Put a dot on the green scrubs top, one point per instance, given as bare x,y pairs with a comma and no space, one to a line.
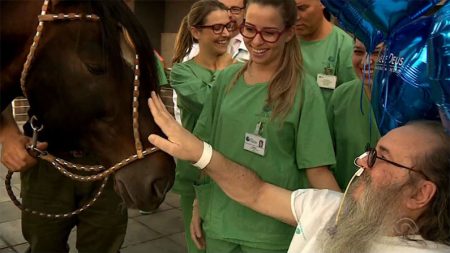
192,83
161,74
350,128
302,140
331,55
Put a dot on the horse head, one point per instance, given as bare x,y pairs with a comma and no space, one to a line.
80,85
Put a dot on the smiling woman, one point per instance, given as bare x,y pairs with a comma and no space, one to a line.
207,24
364,63
267,115
352,123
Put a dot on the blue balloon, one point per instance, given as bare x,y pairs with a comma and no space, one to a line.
412,79
387,15
402,88
439,63
351,20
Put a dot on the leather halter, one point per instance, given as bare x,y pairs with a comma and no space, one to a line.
58,162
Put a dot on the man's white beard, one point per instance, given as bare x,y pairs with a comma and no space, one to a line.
364,222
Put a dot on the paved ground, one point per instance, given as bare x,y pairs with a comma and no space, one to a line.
159,232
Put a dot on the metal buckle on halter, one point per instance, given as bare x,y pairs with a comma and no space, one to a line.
32,148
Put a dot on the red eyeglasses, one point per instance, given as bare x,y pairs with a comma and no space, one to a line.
270,35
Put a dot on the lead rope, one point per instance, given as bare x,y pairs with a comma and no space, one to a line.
47,215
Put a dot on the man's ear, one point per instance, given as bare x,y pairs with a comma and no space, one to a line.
423,195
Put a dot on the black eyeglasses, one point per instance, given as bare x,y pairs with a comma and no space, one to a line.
372,157
269,35
235,9
218,28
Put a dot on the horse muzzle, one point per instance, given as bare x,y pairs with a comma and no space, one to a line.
144,183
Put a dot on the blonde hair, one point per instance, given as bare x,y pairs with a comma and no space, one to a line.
285,81
196,16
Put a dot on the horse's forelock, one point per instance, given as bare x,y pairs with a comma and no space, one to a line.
115,13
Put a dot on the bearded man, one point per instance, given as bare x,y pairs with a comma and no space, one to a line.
399,202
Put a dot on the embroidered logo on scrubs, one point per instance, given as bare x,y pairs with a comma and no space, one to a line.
328,70
327,79
299,230
265,113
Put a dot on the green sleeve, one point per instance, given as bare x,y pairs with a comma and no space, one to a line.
161,74
345,71
207,120
314,145
192,91
330,115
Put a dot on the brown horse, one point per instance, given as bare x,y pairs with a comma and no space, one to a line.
80,87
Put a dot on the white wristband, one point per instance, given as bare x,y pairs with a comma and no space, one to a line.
206,156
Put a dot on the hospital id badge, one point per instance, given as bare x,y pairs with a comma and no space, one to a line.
326,81
255,144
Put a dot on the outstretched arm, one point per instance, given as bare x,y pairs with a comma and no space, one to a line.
238,182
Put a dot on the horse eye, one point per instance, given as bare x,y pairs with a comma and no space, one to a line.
96,69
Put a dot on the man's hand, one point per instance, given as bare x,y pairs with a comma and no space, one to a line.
180,143
14,154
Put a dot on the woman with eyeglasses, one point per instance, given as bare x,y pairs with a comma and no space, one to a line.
350,117
236,47
267,115
207,24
